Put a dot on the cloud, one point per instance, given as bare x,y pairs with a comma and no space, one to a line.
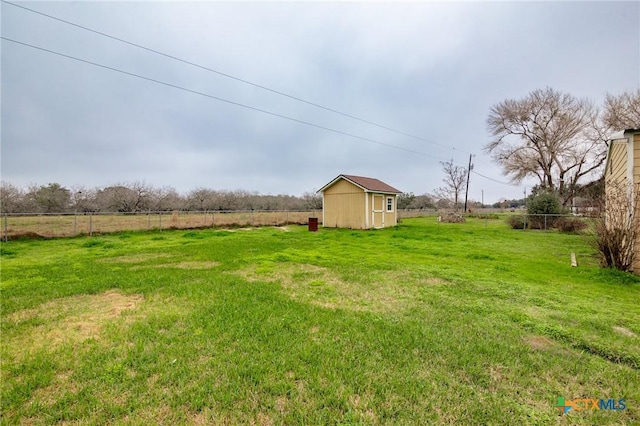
431,69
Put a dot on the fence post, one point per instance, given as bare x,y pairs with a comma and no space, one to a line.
213,219
75,223
545,223
160,218
6,228
251,216
149,219
90,224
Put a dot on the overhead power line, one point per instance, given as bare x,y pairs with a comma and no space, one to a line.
495,180
307,123
335,111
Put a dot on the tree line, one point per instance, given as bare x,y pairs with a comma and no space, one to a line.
140,197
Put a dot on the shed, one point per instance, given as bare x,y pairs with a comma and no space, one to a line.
358,202
623,169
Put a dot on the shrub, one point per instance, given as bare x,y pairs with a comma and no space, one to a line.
545,203
490,216
568,224
516,222
452,218
617,230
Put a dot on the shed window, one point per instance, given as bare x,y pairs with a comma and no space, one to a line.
389,204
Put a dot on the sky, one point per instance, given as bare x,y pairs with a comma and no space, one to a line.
430,71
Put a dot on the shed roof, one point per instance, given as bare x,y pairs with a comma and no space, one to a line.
366,183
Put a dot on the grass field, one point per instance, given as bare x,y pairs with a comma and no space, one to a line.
426,323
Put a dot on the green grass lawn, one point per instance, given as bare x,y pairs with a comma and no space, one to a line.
425,323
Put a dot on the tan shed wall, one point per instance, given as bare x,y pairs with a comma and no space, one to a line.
636,180
344,206
377,203
390,218
375,210
617,171
636,158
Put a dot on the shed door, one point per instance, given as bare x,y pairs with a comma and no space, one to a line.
377,214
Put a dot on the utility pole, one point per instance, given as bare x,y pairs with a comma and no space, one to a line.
466,194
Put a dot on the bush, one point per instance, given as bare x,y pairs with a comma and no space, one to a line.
618,230
545,203
451,218
516,222
491,216
615,246
568,224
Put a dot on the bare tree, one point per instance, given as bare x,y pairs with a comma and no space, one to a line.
405,199
142,195
422,202
443,203
200,199
410,201
312,200
618,229
83,199
11,198
622,112
455,178
164,199
114,198
125,197
551,136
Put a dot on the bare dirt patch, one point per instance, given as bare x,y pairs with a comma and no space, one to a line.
204,417
436,281
322,287
49,395
496,375
624,331
27,235
182,265
539,343
138,260
134,258
238,229
195,265
407,276
363,408
536,312
69,319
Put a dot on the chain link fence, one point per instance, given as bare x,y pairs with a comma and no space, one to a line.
51,225
546,222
